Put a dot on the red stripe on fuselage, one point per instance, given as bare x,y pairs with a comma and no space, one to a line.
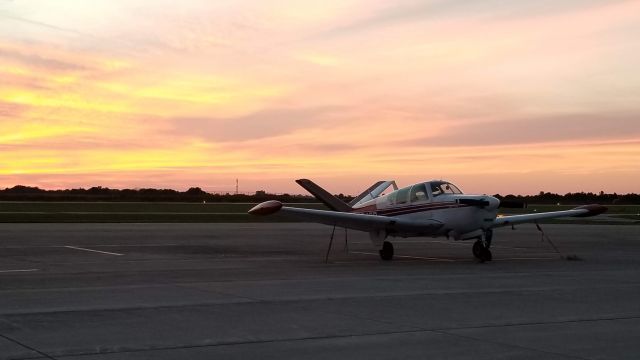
403,210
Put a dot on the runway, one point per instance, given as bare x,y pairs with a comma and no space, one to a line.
247,291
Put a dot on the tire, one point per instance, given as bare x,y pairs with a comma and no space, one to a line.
477,250
481,252
486,255
386,253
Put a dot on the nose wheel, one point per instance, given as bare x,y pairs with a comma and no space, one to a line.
386,253
481,248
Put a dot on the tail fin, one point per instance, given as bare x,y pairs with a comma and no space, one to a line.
321,194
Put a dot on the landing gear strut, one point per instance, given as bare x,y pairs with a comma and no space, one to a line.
488,235
481,247
386,253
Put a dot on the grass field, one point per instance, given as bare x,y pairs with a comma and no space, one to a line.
99,212
613,209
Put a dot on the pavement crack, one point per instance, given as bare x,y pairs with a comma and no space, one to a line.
467,337
534,323
234,343
215,291
19,343
441,331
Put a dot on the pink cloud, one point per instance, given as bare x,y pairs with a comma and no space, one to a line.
10,110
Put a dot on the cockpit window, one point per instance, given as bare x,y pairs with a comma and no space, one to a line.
440,187
401,195
454,189
391,198
418,193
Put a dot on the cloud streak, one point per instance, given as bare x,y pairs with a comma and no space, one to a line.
538,130
259,125
40,61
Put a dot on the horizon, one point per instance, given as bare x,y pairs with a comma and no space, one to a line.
267,192
498,98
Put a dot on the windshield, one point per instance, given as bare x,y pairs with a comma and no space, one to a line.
441,187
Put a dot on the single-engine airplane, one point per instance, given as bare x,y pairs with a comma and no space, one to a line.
433,208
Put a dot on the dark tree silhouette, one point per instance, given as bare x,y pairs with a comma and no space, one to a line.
196,194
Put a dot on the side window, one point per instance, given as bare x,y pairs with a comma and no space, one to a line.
436,190
391,199
402,195
418,193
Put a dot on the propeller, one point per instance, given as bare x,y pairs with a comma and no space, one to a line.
485,202
512,204
474,202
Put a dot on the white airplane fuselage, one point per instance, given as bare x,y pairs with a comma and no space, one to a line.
463,216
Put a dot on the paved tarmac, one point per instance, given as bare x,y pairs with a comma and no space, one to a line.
262,291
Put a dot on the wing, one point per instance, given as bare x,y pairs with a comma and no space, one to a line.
360,222
581,211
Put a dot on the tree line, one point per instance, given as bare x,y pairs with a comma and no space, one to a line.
577,198
99,193
196,194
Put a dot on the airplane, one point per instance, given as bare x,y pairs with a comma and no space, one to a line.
434,208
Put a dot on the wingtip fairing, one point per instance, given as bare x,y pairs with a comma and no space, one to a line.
266,208
592,210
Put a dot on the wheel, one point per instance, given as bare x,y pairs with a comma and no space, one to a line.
486,255
386,253
481,252
477,249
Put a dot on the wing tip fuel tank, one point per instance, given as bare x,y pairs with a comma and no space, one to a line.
266,208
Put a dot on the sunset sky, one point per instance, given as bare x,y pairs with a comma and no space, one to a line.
495,96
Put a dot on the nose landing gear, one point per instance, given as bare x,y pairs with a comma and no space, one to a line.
481,247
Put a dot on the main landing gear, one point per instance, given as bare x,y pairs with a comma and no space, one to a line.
386,253
481,247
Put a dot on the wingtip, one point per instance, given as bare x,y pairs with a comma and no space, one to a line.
592,210
266,208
